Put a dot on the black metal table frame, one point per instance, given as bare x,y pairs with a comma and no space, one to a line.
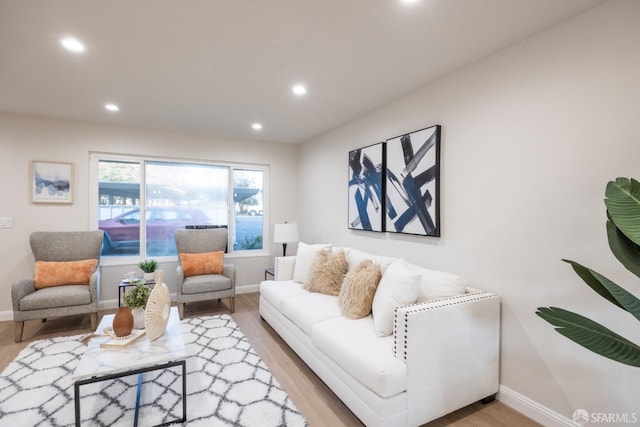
124,284
269,271
77,384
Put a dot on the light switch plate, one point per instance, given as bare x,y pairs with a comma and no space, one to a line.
6,223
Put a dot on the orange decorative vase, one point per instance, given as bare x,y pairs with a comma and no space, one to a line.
123,322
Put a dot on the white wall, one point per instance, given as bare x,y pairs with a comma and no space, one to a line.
26,138
530,137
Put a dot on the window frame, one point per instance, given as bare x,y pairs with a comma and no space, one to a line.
94,200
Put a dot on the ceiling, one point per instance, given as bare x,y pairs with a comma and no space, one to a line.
217,66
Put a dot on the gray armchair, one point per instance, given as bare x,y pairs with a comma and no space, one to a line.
206,286
30,303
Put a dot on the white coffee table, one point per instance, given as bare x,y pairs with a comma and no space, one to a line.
98,364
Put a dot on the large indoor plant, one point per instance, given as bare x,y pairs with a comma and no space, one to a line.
623,231
136,299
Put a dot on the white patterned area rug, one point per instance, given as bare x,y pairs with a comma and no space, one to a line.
227,385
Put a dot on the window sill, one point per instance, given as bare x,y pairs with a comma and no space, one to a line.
134,260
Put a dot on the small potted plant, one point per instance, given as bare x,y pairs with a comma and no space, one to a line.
136,299
148,266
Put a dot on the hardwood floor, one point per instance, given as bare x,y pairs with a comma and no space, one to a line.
310,395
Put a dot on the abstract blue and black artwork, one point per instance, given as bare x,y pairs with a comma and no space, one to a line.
366,188
412,183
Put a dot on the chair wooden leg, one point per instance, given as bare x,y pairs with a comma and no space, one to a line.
94,320
181,310
232,304
19,329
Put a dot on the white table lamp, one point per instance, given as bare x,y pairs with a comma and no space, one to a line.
285,233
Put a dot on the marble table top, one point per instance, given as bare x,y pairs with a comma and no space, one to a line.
98,362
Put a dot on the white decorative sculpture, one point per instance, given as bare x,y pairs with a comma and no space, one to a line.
156,316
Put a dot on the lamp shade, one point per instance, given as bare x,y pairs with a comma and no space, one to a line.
285,233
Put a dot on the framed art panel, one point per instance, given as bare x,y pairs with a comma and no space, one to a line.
366,188
412,183
51,182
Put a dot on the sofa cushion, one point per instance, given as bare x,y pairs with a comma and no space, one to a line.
308,309
327,272
304,258
276,292
356,256
436,284
52,273
398,286
336,249
201,263
358,288
205,283
56,297
353,346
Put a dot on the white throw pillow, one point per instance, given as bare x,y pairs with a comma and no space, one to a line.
436,284
398,286
356,256
304,259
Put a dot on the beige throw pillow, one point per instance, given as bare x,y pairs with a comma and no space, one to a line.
327,272
358,288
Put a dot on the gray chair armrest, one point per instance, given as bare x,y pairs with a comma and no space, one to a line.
179,279
20,289
229,270
94,285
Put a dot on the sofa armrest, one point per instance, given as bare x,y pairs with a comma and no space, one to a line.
284,266
451,348
20,289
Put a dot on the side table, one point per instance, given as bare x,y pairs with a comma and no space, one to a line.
125,283
269,271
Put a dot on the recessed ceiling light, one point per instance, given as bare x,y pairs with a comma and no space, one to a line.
72,44
256,126
299,90
112,107
409,1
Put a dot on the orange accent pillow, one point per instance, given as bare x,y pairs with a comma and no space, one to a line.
64,273
203,263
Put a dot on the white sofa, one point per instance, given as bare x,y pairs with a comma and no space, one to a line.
442,355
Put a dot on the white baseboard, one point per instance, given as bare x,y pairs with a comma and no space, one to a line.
6,315
247,289
107,304
532,409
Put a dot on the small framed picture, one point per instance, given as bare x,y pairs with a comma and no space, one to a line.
51,182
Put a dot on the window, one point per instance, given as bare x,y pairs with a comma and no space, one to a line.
141,202
247,195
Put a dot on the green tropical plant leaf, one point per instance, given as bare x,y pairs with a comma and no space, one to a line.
627,252
623,204
607,289
592,335
587,275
